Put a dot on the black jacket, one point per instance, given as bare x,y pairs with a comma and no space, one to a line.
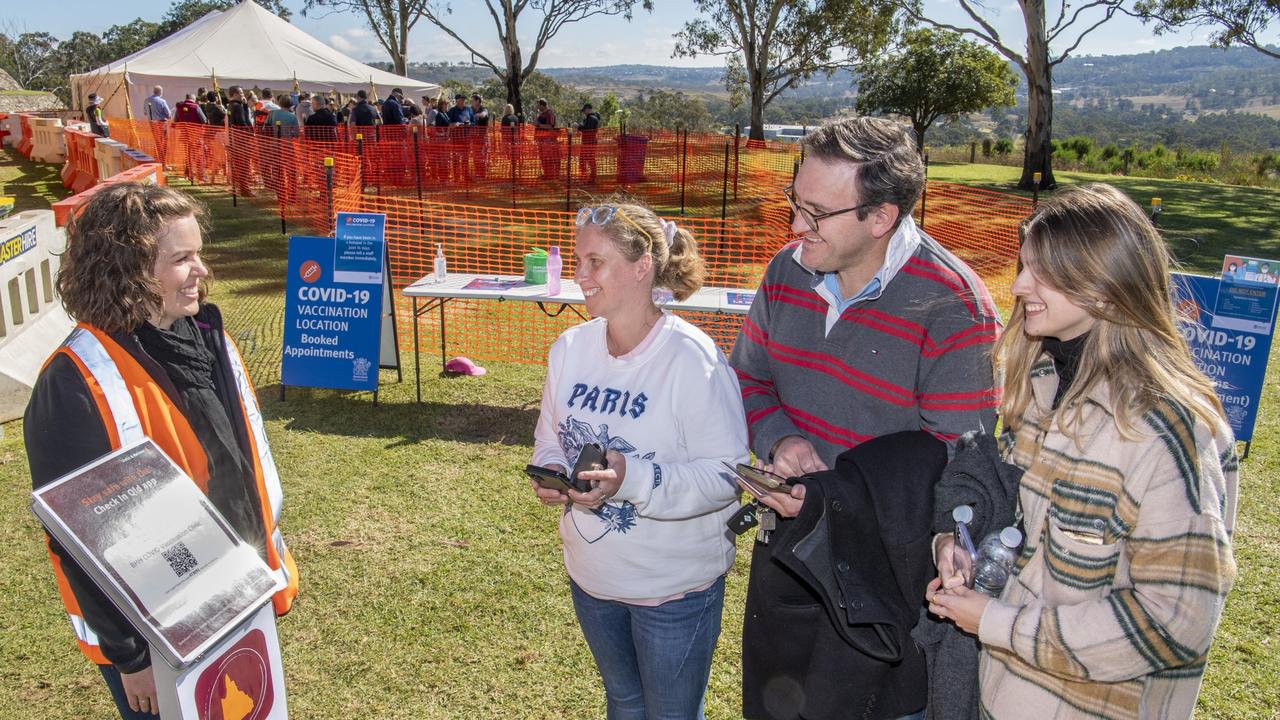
238,114
363,114
832,598
392,113
63,430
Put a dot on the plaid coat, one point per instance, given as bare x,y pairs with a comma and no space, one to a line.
1125,570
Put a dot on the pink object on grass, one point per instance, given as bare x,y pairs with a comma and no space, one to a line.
464,366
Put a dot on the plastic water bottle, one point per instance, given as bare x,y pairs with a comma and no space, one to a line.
441,265
996,556
555,266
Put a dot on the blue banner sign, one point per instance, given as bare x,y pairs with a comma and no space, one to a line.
331,327
1234,360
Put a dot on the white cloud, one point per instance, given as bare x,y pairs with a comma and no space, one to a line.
358,43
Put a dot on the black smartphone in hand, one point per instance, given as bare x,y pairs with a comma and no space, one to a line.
548,478
591,457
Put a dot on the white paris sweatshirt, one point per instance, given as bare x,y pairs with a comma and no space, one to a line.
674,410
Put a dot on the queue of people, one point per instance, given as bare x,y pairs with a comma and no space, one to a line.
871,364
461,129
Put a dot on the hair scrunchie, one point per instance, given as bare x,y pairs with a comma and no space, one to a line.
668,230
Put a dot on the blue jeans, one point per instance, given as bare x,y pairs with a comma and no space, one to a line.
654,661
112,676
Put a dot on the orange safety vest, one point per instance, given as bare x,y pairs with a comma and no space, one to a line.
133,405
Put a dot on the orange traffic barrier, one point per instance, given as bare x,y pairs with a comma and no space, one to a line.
25,145
81,169
149,174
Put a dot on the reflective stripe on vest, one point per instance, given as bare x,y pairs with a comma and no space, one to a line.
89,349
249,399
93,355
84,633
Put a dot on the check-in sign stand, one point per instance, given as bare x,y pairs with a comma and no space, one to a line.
241,677
339,320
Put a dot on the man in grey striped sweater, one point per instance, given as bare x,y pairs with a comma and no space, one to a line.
863,326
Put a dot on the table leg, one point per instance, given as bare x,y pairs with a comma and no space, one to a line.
417,360
442,336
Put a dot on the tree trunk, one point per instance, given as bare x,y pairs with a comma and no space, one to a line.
400,60
757,104
1037,152
920,128
512,81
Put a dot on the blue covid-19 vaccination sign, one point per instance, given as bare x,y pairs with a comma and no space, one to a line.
1234,359
333,304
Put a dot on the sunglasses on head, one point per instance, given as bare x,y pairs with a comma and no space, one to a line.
602,214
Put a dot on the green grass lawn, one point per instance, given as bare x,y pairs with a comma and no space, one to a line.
1201,221
432,584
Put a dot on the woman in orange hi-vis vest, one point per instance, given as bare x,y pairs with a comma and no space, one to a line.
148,358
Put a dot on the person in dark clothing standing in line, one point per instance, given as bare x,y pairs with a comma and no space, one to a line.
239,114
344,113
363,114
240,122
93,116
460,121
589,128
322,124
548,140
479,137
213,111
392,113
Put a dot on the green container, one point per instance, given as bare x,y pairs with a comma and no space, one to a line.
535,267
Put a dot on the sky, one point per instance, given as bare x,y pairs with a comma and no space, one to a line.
647,39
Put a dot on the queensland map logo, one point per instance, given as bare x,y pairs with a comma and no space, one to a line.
237,685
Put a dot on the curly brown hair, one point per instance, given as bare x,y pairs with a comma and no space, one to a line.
107,278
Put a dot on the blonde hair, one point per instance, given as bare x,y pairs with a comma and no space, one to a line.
677,266
1096,246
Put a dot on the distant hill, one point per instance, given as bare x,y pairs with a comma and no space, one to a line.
1148,97
1214,79
632,79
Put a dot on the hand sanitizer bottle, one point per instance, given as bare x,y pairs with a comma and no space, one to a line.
441,265
555,265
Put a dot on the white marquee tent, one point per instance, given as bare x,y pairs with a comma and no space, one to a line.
246,45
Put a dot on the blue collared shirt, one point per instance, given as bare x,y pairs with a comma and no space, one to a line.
902,245
158,109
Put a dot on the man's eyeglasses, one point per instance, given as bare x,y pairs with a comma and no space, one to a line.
811,218
602,214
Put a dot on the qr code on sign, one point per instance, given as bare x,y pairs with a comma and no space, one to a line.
180,559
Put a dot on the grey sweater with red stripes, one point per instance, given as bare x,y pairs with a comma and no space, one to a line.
918,357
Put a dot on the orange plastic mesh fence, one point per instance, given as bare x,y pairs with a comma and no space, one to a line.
488,196
487,240
283,173
980,227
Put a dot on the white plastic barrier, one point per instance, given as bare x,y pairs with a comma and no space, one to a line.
110,154
48,143
32,321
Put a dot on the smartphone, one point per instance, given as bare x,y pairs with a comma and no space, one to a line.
591,457
963,553
548,478
757,482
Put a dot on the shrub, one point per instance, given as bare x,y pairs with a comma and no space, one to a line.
1003,147
1199,161
986,147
